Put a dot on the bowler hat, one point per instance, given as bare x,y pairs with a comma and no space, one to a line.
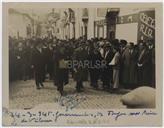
123,42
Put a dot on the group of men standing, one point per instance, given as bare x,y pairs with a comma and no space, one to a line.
117,63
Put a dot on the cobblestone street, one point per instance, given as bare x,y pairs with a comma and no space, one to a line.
24,95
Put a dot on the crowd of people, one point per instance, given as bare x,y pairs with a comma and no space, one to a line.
117,63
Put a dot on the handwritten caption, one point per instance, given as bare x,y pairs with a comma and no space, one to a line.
55,116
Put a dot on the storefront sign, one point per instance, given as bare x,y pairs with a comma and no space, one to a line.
133,18
146,25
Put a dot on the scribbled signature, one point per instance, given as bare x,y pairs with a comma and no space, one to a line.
71,101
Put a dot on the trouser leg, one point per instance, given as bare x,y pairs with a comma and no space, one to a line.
91,78
60,88
79,85
37,79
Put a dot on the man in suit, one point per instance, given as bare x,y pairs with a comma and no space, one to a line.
123,46
60,72
38,64
11,59
45,57
107,74
142,64
129,66
31,52
49,54
151,66
80,71
19,60
95,59
26,68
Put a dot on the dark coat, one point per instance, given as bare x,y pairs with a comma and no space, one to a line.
109,56
38,60
95,68
60,74
49,60
107,72
93,57
153,67
129,67
81,73
19,57
144,71
20,63
12,64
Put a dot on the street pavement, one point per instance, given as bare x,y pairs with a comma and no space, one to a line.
24,95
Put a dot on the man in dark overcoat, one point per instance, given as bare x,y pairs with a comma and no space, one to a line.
19,60
95,59
27,64
123,46
151,63
60,71
50,67
129,67
143,63
38,64
45,57
107,73
80,71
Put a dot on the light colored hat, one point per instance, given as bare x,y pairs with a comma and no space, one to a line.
101,43
108,43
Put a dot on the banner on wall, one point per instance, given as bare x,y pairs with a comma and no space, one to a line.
100,22
146,25
132,18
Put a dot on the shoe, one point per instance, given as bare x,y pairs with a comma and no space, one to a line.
114,90
61,93
79,91
42,85
95,87
38,88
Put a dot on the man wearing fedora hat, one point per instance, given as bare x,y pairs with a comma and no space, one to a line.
107,70
38,63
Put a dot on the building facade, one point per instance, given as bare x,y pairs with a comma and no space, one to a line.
67,23
129,24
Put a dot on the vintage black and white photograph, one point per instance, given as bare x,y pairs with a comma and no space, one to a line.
100,53
81,57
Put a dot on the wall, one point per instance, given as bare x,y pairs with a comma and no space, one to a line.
127,32
17,23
